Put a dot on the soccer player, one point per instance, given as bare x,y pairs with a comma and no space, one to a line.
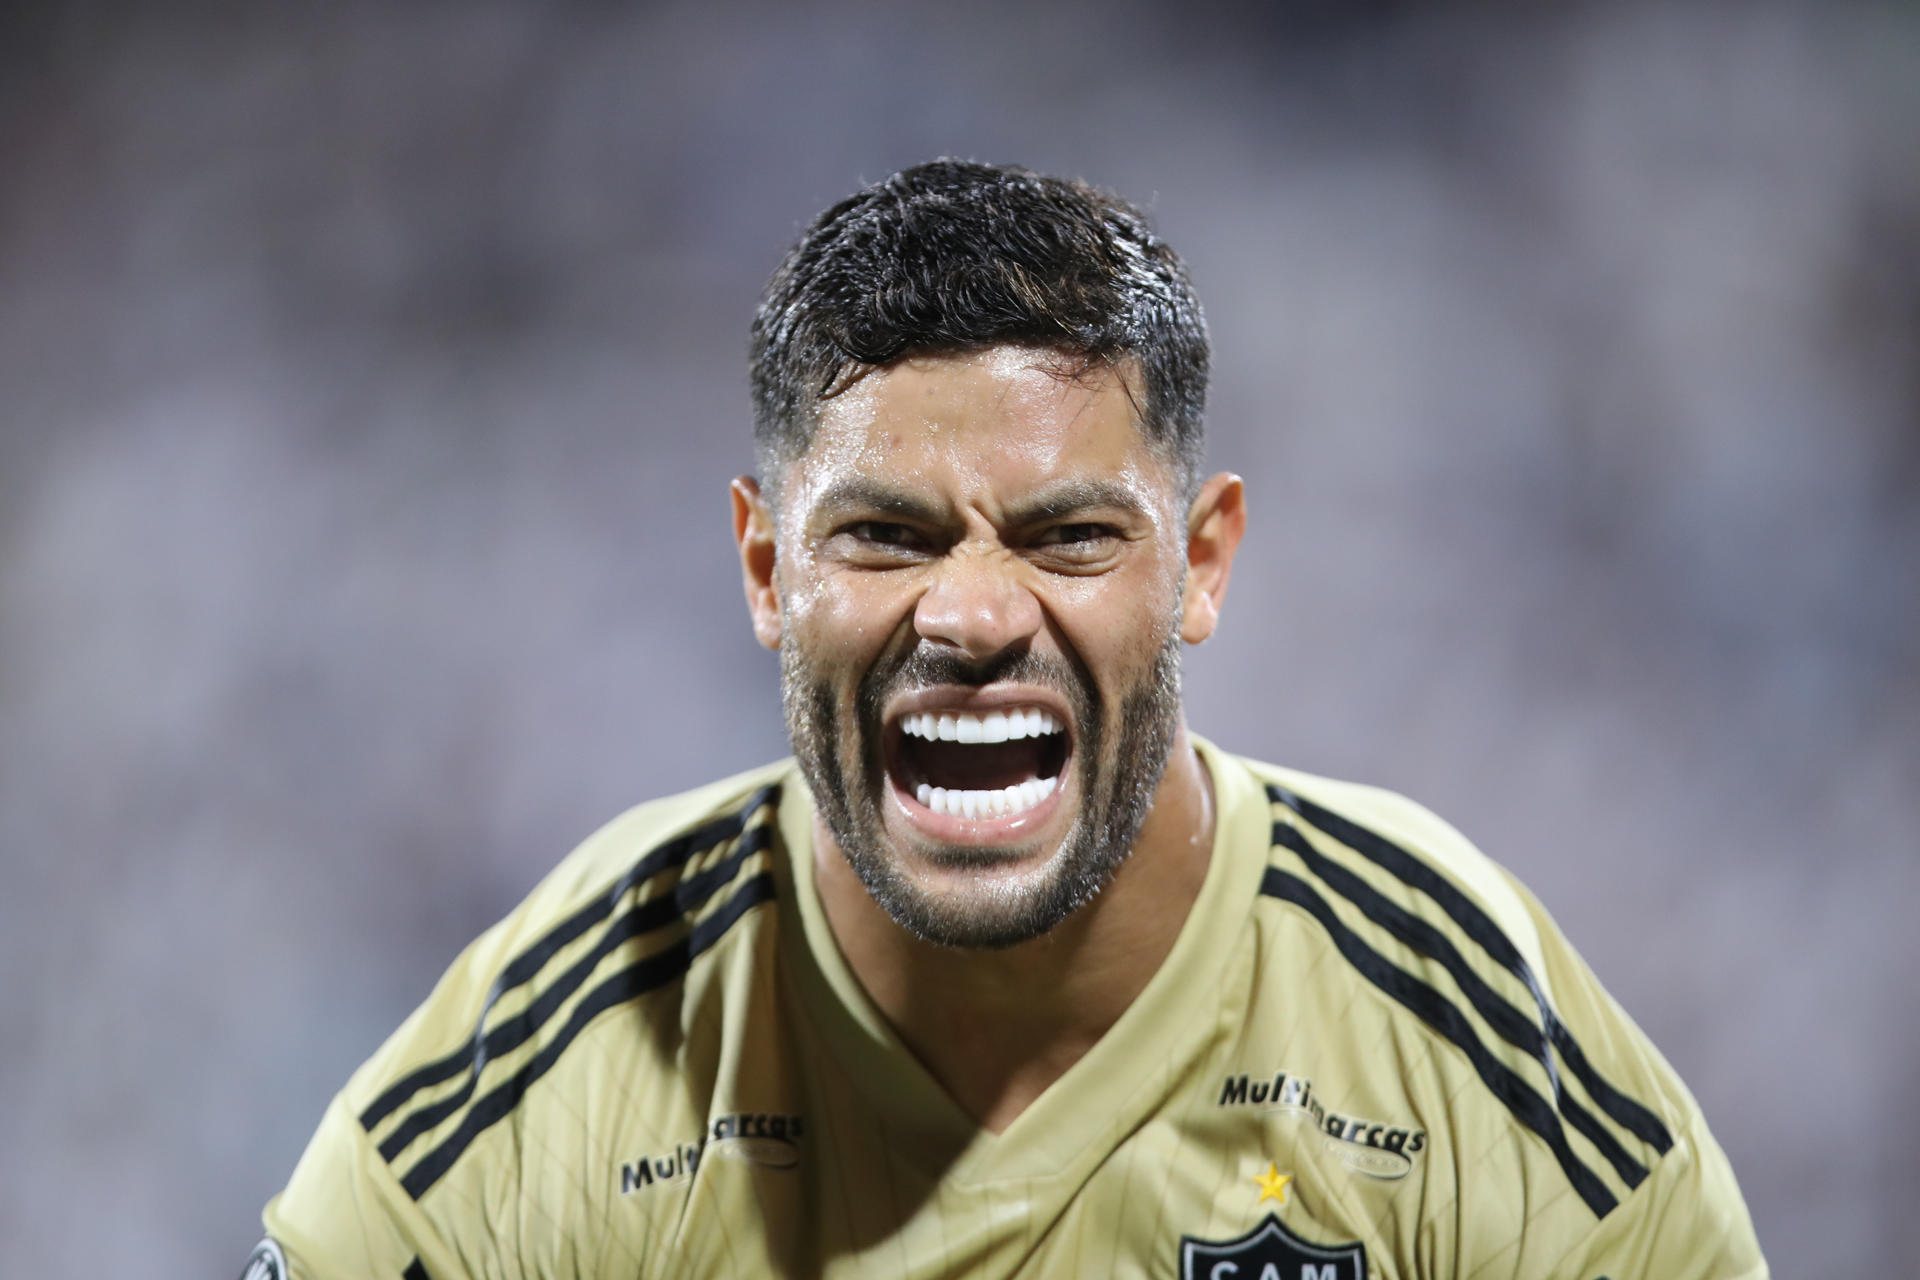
1007,973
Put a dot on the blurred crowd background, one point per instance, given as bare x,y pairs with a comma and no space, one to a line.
370,379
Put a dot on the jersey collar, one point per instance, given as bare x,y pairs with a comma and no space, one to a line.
1186,1009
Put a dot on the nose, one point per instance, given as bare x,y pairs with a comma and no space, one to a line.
977,605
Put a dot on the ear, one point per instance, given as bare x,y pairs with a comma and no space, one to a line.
753,531
1214,524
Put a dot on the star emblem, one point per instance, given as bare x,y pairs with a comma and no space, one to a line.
1273,1183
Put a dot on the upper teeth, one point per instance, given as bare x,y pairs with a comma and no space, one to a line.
994,726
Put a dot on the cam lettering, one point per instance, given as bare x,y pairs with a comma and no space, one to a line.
1270,1252
1308,1271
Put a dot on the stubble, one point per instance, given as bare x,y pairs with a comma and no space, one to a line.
1120,752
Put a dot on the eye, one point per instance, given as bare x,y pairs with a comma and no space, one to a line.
1076,546
884,533
1071,536
879,543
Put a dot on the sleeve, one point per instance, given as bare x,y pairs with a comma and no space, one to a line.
344,1215
1685,1222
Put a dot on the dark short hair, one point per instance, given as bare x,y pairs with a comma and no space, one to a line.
953,256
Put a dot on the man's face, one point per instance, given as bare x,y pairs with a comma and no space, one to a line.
979,569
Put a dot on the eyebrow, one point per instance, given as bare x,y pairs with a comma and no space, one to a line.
1069,497
858,493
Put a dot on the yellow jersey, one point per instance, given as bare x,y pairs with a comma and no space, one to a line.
1369,1056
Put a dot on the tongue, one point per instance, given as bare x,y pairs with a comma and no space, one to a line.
973,766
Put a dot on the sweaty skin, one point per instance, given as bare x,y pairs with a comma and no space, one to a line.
967,533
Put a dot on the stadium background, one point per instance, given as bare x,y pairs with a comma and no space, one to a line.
372,376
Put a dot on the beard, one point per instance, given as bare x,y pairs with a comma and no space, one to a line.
1120,751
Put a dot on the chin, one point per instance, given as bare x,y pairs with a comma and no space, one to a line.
981,896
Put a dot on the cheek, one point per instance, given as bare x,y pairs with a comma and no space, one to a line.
844,615
1119,617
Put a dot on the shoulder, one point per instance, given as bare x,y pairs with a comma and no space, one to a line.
577,999
552,1045
1534,1081
1413,854
646,854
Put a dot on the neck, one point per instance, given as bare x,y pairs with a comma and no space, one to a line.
995,1028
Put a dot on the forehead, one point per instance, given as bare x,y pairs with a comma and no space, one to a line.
989,424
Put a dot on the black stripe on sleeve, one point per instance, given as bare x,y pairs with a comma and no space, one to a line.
1431,1007
1514,1027
510,1033
523,967
415,1271
635,980
1629,1114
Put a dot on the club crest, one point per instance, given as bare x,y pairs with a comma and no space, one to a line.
267,1262
1270,1252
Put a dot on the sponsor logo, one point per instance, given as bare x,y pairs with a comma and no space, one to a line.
1270,1252
756,1137
1372,1147
266,1262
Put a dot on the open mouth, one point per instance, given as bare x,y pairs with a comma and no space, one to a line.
980,764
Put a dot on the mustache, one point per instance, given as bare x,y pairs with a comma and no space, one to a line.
922,667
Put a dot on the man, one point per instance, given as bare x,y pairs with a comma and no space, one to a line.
1007,973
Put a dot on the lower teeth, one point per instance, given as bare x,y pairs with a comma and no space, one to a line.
986,804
